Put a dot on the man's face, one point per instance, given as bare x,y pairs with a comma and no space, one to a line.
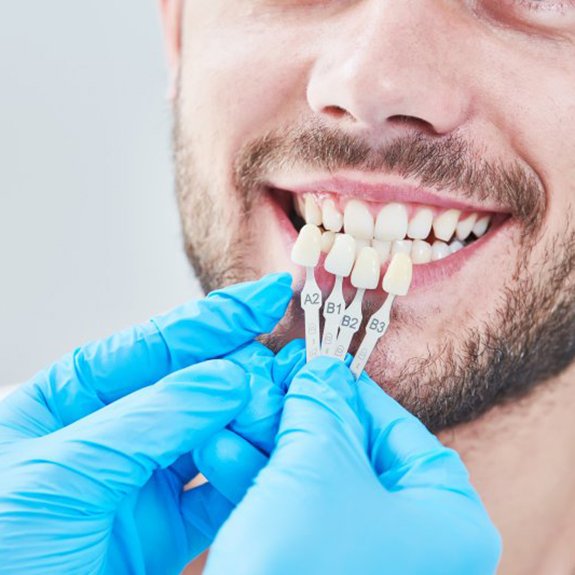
436,105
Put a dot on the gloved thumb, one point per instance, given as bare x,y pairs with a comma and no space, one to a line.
320,417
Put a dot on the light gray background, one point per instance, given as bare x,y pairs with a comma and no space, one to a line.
89,232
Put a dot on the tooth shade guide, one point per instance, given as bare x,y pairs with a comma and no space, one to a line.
306,250
333,310
350,324
340,259
397,279
375,328
311,302
396,282
367,269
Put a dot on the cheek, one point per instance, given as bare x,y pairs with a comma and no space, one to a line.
233,91
237,85
537,117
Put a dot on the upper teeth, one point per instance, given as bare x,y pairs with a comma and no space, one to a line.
395,226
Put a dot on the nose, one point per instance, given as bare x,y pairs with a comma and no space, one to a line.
390,62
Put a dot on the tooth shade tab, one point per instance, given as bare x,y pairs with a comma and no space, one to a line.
444,224
341,257
392,223
420,224
332,217
366,270
358,221
397,279
307,248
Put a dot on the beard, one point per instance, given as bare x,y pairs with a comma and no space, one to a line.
527,340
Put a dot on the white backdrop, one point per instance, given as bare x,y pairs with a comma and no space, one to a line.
89,233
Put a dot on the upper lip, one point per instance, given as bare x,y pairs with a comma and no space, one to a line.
382,192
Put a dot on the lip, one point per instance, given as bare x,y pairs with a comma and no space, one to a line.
424,276
381,192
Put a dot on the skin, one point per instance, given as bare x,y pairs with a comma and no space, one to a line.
381,70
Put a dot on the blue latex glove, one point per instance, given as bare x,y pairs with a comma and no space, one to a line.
355,484
94,451
231,458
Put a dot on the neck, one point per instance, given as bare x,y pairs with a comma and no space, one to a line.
520,457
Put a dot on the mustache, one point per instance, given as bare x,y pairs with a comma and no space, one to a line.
442,163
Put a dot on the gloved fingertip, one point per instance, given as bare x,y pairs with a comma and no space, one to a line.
288,361
329,366
282,278
260,304
326,372
229,463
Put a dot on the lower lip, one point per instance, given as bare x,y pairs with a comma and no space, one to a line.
424,275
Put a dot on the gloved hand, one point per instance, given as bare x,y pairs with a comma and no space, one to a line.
94,452
232,458
355,484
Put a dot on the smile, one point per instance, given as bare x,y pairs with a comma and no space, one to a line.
438,233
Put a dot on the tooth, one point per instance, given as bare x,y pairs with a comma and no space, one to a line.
391,223
421,252
299,205
439,251
481,226
341,257
455,246
366,270
327,239
332,217
357,220
360,244
465,227
312,213
307,248
444,225
397,279
383,249
420,224
401,247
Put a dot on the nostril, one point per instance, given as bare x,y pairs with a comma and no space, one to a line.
336,112
412,121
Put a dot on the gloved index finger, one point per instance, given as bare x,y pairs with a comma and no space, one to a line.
102,372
